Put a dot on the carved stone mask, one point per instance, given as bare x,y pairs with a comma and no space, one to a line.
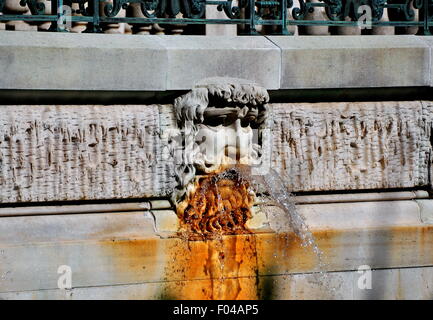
220,119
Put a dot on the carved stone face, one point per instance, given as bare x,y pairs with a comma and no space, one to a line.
218,119
225,145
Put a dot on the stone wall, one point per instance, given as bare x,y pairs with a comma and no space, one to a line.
93,62
352,155
84,152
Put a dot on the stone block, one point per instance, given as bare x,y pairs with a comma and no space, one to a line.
353,61
60,61
191,59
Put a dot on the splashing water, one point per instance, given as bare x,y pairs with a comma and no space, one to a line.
287,219
275,186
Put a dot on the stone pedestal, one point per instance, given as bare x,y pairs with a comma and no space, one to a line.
45,26
317,14
113,28
348,31
14,7
218,29
78,27
175,29
134,10
383,30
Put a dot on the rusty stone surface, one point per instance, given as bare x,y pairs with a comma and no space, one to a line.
400,283
221,204
122,249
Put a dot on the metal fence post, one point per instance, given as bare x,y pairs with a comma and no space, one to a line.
284,18
252,17
426,17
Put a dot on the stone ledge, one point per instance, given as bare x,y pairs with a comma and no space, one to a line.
57,61
111,249
400,283
191,59
353,61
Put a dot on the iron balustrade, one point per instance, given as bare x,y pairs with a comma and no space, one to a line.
250,13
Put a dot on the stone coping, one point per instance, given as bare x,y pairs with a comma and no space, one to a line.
58,61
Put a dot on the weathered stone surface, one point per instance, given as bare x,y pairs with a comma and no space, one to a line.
429,41
54,153
353,61
68,61
84,152
389,284
157,63
348,146
191,59
116,249
61,61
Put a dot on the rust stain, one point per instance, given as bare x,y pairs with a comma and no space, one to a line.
216,256
236,266
133,260
220,205
220,269
244,266
283,253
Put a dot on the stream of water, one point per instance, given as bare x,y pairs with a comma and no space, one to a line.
275,186
284,221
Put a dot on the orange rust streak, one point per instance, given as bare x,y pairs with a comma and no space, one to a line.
231,267
220,205
133,258
223,269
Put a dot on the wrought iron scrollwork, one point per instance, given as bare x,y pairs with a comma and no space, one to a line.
377,9
112,9
83,7
304,7
232,11
251,12
193,9
403,9
34,6
151,8
339,10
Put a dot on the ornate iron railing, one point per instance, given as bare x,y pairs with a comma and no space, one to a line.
249,13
